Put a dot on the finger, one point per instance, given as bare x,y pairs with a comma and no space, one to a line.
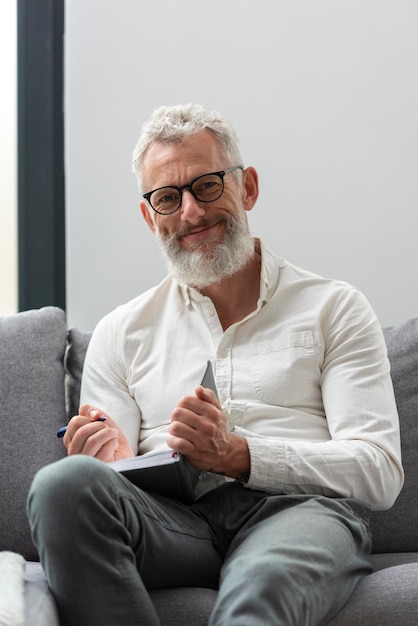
93,414
83,440
203,424
203,404
199,403
191,417
184,446
197,456
191,426
107,451
102,445
180,428
73,426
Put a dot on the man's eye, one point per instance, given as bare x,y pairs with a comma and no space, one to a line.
208,184
168,197
165,197
207,187
205,184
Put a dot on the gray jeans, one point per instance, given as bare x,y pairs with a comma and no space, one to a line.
277,559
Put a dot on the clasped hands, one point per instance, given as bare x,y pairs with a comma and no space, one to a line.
198,430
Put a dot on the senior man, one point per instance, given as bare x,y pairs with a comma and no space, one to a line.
302,444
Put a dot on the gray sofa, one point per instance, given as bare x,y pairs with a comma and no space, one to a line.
40,369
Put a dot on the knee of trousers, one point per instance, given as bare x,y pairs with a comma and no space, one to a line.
64,488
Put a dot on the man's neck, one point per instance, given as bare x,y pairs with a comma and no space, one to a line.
237,296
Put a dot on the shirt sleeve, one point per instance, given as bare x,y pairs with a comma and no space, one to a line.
104,380
362,459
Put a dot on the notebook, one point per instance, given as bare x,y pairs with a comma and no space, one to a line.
165,471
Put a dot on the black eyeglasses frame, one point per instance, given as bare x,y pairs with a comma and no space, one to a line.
189,186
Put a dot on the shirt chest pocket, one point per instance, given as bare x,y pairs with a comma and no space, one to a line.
286,370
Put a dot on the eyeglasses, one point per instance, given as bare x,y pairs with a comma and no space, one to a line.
204,188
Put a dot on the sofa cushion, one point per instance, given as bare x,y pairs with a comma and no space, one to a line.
12,601
32,408
387,597
396,530
77,342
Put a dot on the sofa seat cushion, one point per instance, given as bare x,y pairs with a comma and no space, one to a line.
32,408
388,597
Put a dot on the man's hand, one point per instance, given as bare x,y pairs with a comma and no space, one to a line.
199,430
102,440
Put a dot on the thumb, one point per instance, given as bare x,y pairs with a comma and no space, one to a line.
204,393
92,412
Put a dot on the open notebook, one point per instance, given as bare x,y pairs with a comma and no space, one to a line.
165,471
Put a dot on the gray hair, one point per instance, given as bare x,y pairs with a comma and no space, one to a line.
171,124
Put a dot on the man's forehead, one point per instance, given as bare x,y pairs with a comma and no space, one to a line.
181,158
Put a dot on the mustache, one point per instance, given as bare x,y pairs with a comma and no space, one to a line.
203,223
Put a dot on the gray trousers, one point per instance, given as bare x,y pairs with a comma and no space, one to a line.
277,559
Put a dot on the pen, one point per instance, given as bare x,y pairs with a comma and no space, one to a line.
61,432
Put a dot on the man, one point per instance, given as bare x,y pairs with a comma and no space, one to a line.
301,446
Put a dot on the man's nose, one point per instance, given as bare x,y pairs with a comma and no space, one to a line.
191,209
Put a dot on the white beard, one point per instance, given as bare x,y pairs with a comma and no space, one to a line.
197,267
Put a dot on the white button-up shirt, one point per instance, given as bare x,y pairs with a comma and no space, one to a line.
304,378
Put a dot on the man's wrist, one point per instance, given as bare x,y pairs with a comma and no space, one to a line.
237,462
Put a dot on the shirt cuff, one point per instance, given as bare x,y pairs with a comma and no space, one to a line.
267,459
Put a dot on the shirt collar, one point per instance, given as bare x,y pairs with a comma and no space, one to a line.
270,270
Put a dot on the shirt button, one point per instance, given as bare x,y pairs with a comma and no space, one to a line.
223,354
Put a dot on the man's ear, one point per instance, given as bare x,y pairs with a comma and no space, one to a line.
147,215
249,188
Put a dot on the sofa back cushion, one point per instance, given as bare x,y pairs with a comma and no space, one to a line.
396,530
77,343
32,408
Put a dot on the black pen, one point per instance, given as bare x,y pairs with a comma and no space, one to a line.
61,432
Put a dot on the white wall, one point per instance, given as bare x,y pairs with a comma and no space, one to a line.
8,166
324,95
